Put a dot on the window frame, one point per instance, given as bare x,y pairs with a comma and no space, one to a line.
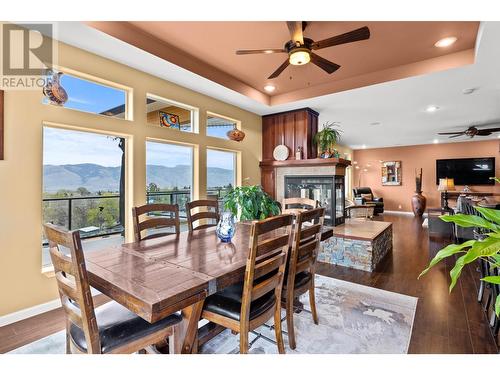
195,111
237,164
129,97
213,114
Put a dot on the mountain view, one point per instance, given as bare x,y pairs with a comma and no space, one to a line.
96,177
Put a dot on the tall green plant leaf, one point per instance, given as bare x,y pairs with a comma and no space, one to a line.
468,221
445,253
456,271
489,247
489,213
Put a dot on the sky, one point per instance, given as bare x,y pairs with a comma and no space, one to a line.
63,146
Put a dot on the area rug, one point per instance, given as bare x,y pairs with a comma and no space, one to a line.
353,318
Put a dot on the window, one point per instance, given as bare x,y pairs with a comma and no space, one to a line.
169,114
93,97
218,126
221,172
82,186
169,175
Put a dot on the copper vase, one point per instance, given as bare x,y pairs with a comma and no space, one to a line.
418,204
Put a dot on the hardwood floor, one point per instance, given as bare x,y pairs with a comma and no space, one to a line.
444,323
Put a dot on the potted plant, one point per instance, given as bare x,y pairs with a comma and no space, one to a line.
486,248
250,203
327,138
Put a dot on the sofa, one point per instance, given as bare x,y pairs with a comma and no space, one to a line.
364,195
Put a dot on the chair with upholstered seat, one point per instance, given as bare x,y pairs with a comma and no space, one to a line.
296,205
245,306
158,216
208,211
110,328
299,276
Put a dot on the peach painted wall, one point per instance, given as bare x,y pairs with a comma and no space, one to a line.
398,198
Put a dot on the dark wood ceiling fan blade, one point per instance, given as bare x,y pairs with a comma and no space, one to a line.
295,28
324,64
254,51
451,133
456,135
278,71
352,36
489,131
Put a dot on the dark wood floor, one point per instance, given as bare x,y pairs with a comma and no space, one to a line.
444,323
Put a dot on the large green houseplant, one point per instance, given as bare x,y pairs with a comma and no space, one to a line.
326,138
472,250
250,203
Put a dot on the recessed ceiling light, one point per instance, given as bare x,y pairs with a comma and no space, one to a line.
364,146
445,42
432,108
269,88
498,136
435,141
357,167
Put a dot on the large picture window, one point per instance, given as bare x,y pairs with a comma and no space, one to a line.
221,172
83,186
169,175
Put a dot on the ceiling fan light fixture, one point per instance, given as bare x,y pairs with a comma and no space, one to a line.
445,42
299,56
269,88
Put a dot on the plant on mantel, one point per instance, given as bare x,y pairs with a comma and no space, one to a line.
487,248
250,203
327,138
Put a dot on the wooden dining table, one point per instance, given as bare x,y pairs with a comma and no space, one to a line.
158,277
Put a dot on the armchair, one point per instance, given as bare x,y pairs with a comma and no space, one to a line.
364,195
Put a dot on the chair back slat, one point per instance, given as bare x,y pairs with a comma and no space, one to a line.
72,281
265,286
209,215
269,243
306,243
155,222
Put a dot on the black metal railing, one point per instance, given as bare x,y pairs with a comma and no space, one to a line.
99,215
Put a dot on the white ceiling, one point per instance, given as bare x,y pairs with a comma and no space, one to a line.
399,105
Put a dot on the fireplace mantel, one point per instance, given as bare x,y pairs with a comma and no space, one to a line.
330,162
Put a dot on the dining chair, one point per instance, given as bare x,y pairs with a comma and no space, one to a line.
158,216
244,306
299,275
296,205
110,328
208,214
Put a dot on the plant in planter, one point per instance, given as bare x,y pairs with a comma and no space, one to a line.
327,138
418,201
250,203
487,248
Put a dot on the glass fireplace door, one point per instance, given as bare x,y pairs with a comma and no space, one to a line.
339,200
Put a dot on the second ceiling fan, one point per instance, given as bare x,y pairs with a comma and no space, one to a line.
300,49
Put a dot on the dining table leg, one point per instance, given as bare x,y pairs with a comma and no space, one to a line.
185,340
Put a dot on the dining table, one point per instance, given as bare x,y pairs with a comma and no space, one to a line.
157,277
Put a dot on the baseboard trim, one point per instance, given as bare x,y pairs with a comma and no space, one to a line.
402,213
29,312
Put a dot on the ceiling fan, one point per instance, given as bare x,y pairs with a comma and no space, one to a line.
300,49
471,132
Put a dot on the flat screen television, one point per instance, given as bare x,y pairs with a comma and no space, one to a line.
473,171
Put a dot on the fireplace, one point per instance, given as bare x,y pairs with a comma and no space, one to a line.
327,190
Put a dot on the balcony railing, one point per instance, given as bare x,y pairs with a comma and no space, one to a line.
99,215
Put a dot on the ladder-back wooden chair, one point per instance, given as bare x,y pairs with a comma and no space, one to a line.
208,211
165,215
299,277
295,206
245,306
111,328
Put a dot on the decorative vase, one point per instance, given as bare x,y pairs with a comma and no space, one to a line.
418,203
226,227
54,91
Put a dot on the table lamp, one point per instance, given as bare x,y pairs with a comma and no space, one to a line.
446,185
